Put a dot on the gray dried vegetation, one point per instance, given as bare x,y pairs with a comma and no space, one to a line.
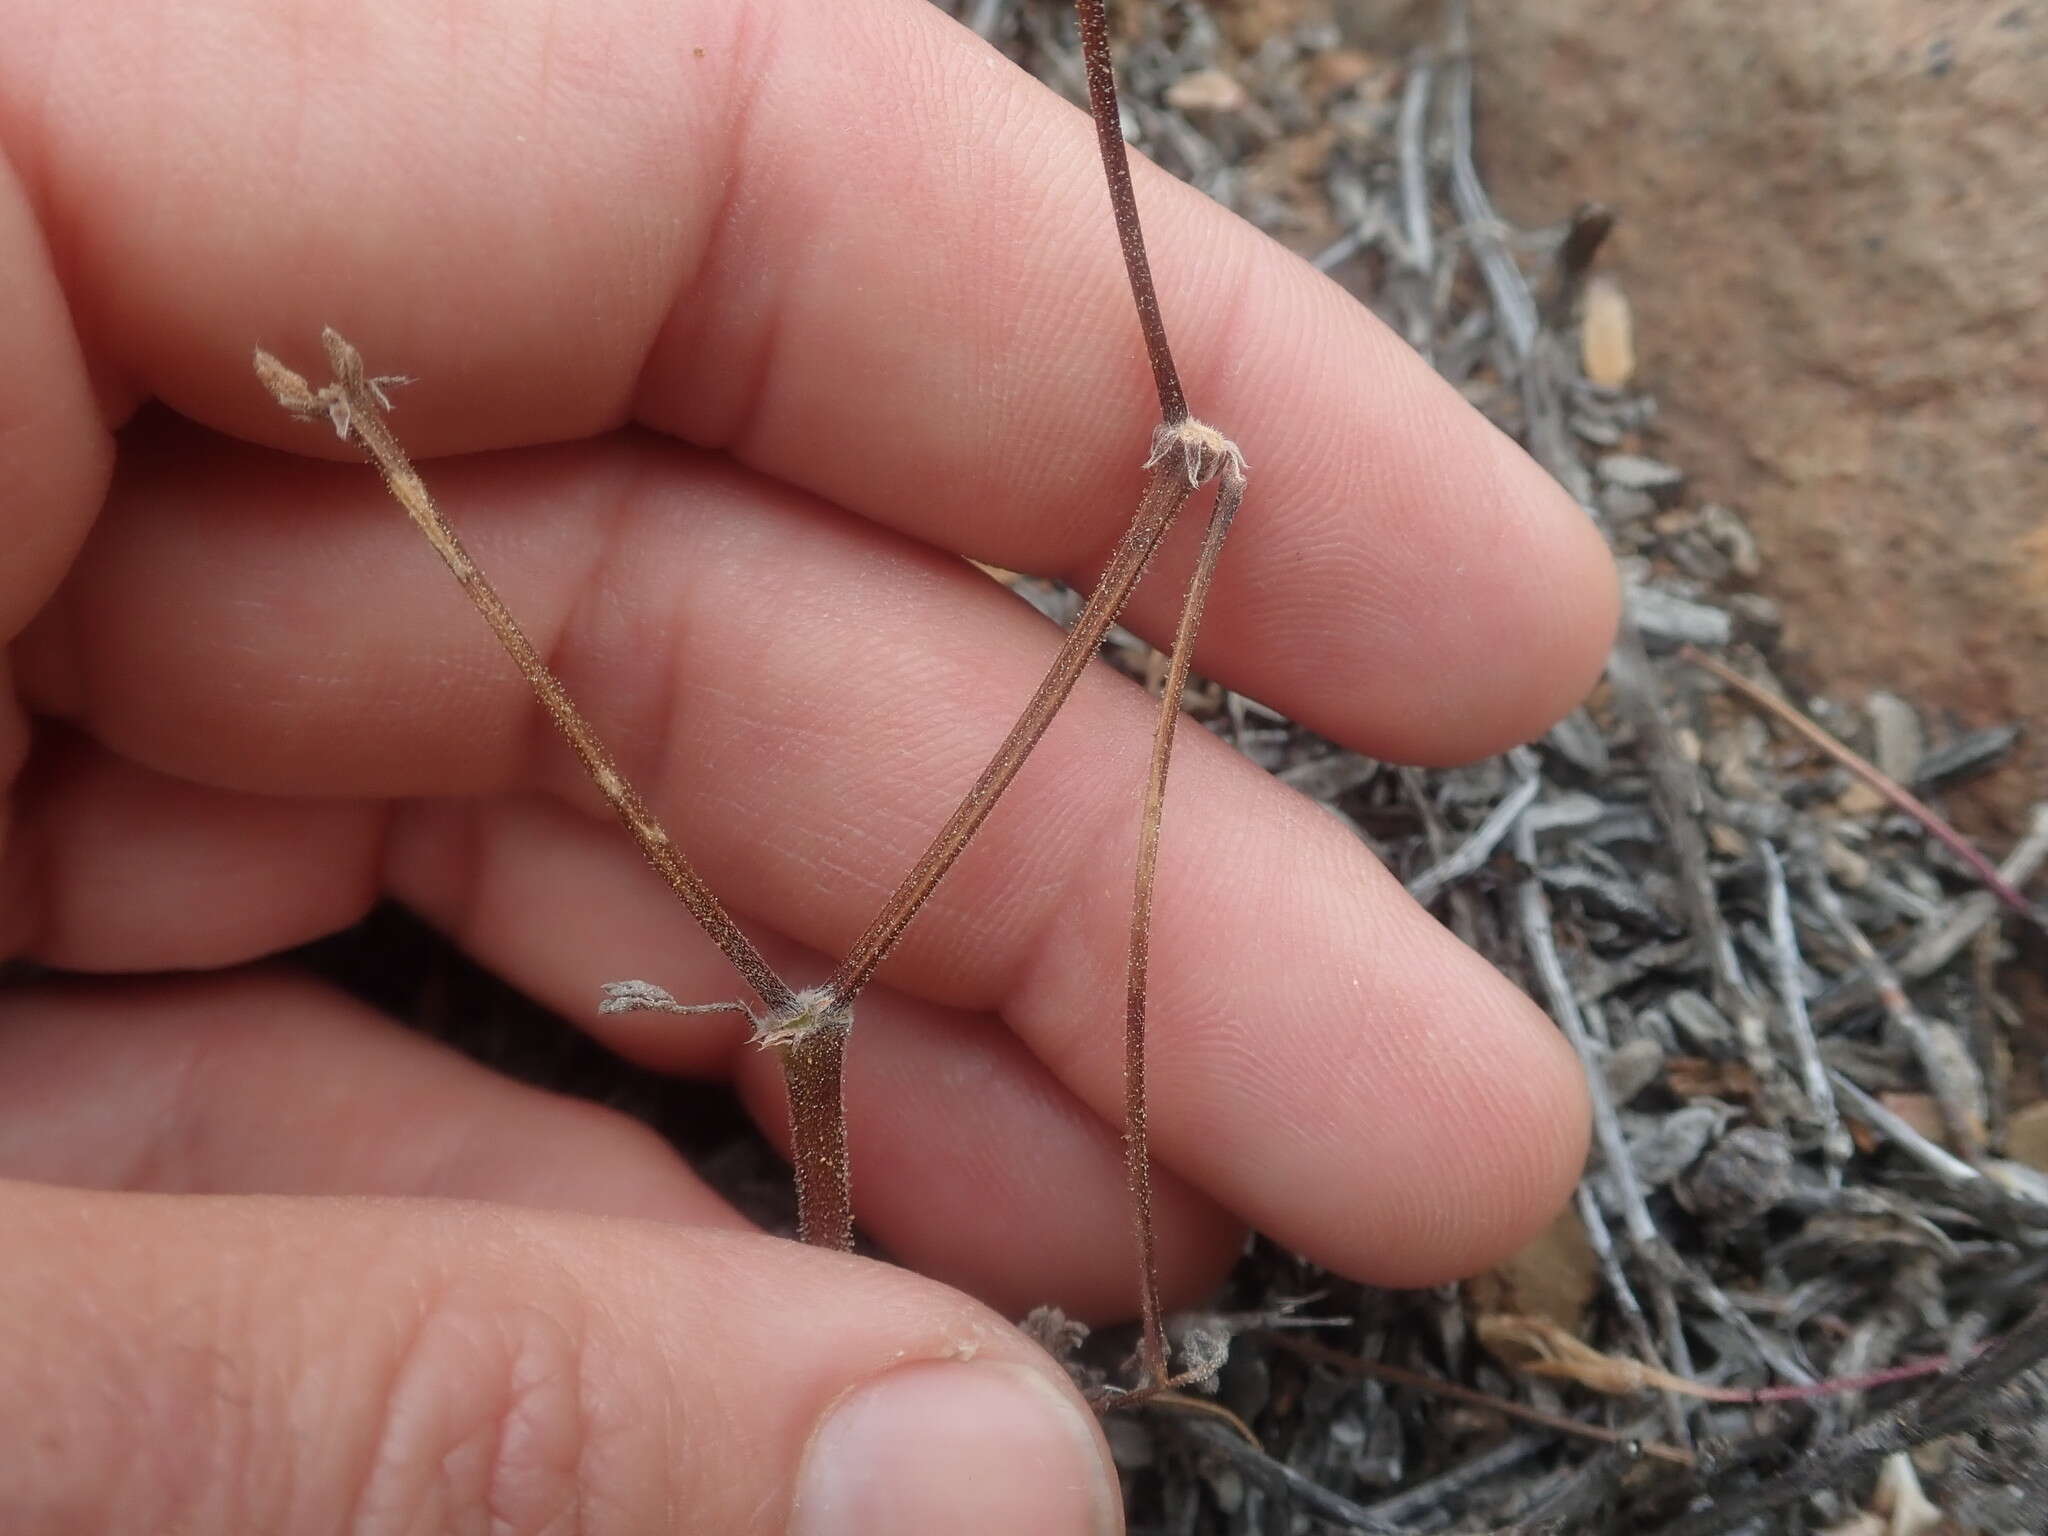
1786,992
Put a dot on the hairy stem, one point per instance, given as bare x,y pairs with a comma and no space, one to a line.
1123,201
809,1037
1876,778
1165,494
355,403
814,1076
1152,1354
1202,452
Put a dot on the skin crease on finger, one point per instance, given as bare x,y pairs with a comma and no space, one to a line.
267,1364
1395,538
262,1082
137,871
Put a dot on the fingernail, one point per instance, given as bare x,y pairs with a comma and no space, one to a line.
973,1447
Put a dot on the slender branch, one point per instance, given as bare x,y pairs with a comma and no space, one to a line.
1951,1072
1532,908
1472,854
1152,1353
1123,199
1202,452
1600,1238
1185,453
814,1077
1939,1161
1948,1405
1514,306
804,1028
1165,494
1876,778
355,403
1416,232
1323,1354
1285,1485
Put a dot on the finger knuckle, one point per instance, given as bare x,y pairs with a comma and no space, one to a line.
486,1424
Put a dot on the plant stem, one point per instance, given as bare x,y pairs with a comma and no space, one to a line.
1165,494
814,1077
808,1035
1123,201
1876,778
1152,1352
1202,452
1375,1370
356,405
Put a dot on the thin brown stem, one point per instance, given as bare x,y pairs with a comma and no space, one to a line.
809,1035
1876,778
1184,455
802,1027
814,1076
1123,199
356,403
1201,452
1152,1353
1165,494
1323,1354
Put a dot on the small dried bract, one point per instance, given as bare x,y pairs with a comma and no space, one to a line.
1205,452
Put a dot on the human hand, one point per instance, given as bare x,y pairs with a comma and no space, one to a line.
749,321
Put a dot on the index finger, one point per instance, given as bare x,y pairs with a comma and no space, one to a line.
851,246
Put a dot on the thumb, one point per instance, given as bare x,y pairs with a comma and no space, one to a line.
185,1363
